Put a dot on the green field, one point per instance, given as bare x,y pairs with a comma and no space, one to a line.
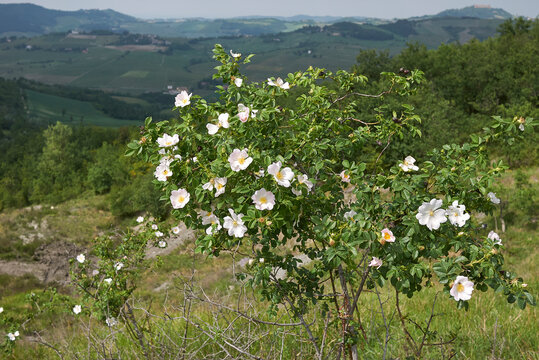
46,108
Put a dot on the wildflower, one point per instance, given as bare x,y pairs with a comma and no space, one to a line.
344,176
493,198
168,140
222,122
408,164
77,309
13,336
279,83
162,172
209,218
239,160
162,244
261,260
111,321
304,180
176,230
259,173
430,215
376,262
140,219
154,227
235,55
456,214
238,82
234,224
349,214
1,309
296,192
243,113
462,288
118,266
108,280
283,176
251,262
220,186
182,99
81,258
158,234
263,199
387,236
179,198
495,238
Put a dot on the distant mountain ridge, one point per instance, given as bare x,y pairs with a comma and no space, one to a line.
30,20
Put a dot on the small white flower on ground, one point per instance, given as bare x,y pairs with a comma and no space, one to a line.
495,238
387,236
81,258
158,234
108,280
282,176
77,309
221,122
279,83
261,260
179,198
168,140
154,227
209,218
234,224
431,215
263,199
176,230
118,266
349,214
344,176
220,186
493,198
194,159
239,160
408,164
140,219
235,55
251,262
1,309
162,172
238,82
182,99
304,180
13,336
462,288
162,244
243,113
111,322
375,262
456,214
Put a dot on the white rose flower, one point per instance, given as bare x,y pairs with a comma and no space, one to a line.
162,244
176,230
234,224
209,218
349,214
296,192
493,198
387,236
13,336
456,214
182,99
344,176
408,164
179,198
235,55
430,215
243,113
154,227
108,280
375,262
304,180
495,238
282,176
158,234
220,186
221,122
77,309
81,258
162,172
167,140
239,160
263,199
279,83
462,288
118,266
140,219
238,82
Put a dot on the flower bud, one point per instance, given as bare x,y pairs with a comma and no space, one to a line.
331,242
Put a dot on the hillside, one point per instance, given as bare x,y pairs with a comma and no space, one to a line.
140,63
477,11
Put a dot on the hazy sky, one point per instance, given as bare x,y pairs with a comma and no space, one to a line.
229,8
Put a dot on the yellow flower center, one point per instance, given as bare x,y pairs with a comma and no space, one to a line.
263,200
456,214
181,199
387,236
219,186
279,175
460,288
165,172
431,213
241,160
234,223
185,101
